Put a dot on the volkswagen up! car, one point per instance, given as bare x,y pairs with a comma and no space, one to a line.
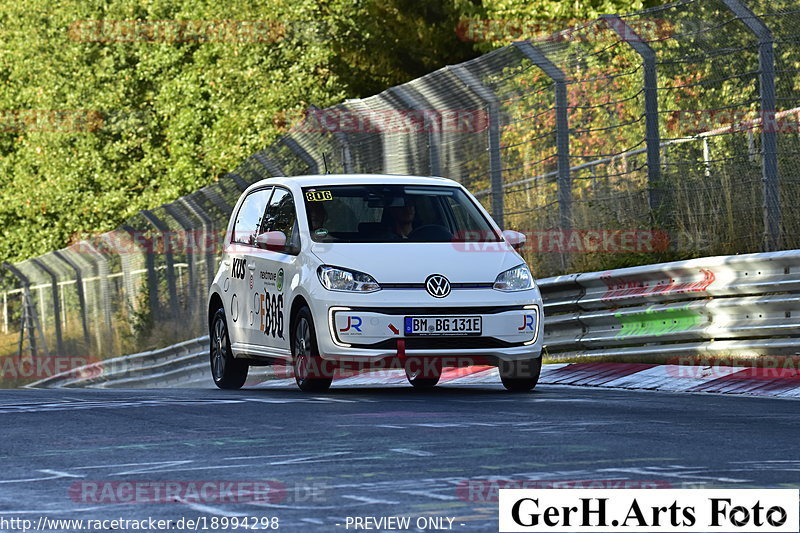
354,272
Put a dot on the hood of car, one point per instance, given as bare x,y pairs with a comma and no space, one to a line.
414,262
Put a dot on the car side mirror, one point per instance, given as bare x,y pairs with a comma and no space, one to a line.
272,240
514,238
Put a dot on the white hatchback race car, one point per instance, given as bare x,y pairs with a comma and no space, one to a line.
356,272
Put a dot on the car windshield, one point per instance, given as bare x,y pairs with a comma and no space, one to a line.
394,213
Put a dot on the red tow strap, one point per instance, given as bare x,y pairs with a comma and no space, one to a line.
401,349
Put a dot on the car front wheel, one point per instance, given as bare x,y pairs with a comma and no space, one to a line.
520,376
311,371
423,374
228,372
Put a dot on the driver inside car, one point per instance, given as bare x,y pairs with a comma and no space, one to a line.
401,218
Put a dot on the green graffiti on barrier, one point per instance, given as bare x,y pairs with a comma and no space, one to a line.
656,323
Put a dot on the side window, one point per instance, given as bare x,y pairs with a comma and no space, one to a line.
281,216
428,211
464,219
249,217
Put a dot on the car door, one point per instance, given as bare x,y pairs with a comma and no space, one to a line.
248,222
273,271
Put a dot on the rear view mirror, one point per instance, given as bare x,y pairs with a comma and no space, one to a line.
272,240
514,238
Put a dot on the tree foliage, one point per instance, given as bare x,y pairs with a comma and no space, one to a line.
102,120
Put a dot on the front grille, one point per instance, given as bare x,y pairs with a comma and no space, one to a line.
437,311
442,343
421,286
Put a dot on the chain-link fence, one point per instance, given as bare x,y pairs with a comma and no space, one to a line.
665,134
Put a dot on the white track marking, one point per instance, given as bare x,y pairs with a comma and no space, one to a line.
369,501
430,494
46,511
210,510
407,451
319,458
54,474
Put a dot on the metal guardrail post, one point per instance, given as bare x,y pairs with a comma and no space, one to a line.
56,302
305,157
495,162
434,140
215,198
208,236
240,182
179,217
105,299
271,166
35,335
562,128
347,159
62,255
171,286
150,265
414,102
111,242
341,139
769,135
372,155
652,134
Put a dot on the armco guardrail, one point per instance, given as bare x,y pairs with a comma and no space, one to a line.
174,364
181,365
742,305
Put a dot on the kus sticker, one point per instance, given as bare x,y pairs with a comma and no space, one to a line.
238,268
279,280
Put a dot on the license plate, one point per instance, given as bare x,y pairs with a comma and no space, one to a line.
443,325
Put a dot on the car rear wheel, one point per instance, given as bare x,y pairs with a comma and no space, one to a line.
520,376
228,372
311,371
423,374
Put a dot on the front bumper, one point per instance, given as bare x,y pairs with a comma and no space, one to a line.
511,331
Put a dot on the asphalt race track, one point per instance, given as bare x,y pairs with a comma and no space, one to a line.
389,451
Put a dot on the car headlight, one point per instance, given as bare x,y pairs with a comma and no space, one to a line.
339,279
518,278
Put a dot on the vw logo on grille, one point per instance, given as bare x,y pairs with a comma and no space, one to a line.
437,285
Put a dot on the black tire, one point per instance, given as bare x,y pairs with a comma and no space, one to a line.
521,376
228,372
311,372
422,374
